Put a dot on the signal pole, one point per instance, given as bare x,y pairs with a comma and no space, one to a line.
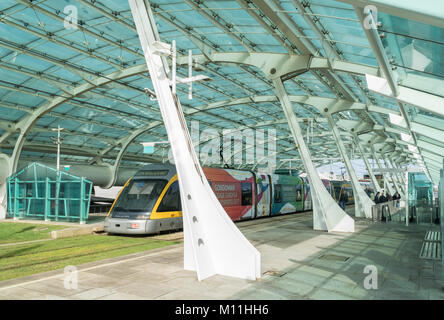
58,142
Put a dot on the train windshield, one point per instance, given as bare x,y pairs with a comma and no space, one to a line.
139,196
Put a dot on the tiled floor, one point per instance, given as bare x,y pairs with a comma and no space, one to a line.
287,245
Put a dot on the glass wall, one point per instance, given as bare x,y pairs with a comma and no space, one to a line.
420,198
420,189
41,192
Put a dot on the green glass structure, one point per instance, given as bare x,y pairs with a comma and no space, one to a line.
420,189
40,192
420,198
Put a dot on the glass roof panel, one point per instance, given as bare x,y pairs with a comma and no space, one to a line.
417,50
39,58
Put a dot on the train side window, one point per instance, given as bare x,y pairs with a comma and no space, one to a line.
247,193
299,193
277,193
350,192
171,199
338,191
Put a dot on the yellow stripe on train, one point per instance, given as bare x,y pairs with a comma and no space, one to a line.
168,214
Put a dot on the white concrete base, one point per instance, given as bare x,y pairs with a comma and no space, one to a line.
363,203
330,217
346,224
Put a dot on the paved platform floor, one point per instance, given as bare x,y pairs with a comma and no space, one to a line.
297,263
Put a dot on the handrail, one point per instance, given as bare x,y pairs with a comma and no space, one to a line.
385,210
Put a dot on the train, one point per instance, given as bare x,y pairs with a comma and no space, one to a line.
149,202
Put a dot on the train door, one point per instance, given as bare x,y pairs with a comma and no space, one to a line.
263,195
349,189
307,195
337,188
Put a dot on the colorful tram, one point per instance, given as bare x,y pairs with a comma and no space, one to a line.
150,201
336,187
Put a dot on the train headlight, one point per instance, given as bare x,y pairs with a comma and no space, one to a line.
135,226
142,216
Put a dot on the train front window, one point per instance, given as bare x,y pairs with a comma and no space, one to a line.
171,199
139,196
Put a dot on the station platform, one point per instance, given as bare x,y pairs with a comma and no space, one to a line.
297,263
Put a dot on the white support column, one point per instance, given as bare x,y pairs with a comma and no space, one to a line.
386,183
327,215
393,176
399,176
212,242
389,174
367,165
404,181
363,204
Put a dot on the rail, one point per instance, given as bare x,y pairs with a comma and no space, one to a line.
417,211
421,211
388,211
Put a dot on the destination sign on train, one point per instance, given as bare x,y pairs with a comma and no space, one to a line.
151,173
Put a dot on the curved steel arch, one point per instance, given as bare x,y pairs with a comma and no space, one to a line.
317,102
290,63
26,124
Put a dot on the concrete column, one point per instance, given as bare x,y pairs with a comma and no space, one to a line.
386,183
327,215
394,176
389,173
367,165
400,176
363,204
404,180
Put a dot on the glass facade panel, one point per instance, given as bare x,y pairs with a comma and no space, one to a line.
40,192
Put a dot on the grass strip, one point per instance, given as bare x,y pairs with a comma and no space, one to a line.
11,232
56,254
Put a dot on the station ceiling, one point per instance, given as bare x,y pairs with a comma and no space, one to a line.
90,80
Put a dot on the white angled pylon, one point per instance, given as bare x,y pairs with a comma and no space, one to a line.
367,164
387,185
212,242
327,215
363,204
